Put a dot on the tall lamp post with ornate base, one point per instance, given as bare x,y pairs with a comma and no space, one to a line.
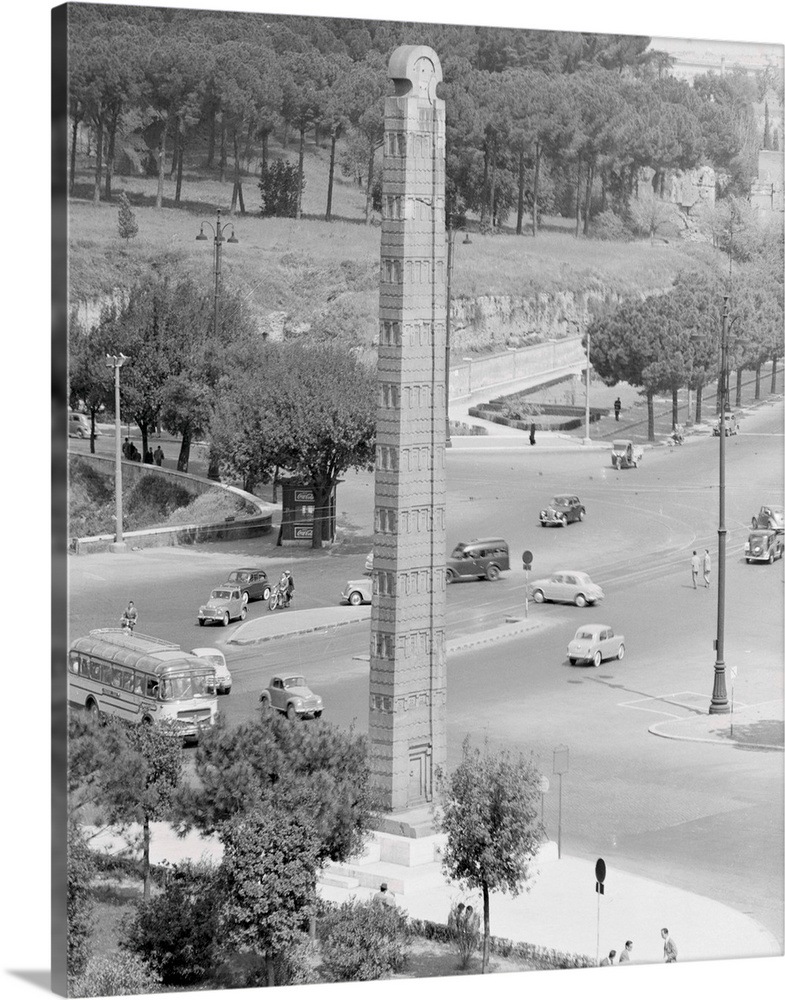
719,697
218,238
117,361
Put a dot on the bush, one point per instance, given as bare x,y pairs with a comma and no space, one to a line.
175,932
362,941
120,974
278,187
80,904
609,226
463,926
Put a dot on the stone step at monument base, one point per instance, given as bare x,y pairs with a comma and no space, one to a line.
333,878
399,878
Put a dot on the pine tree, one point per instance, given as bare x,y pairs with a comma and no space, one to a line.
126,220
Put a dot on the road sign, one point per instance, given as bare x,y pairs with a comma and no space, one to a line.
544,784
561,760
527,559
599,874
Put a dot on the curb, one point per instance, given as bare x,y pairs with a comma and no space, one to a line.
300,630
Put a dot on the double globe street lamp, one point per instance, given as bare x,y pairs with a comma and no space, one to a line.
218,238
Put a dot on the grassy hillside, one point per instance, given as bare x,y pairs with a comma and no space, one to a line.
327,273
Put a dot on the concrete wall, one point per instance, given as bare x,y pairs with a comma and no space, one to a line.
511,366
258,520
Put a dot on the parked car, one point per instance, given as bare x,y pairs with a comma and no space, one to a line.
252,581
568,586
292,696
217,660
764,545
561,510
485,557
225,603
769,517
731,425
625,455
79,425
358,591
595,643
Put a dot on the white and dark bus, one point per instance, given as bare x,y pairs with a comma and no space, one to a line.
142,679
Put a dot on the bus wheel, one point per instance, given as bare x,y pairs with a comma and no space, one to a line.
146,720
94,710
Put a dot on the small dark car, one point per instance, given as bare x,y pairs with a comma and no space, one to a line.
561,510
252,581
764,545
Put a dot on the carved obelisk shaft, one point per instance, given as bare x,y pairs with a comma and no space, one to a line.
408,675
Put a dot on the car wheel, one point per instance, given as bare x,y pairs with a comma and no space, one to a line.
539,597
573,661
492,573
245,597
597,658
580,601
355,598
264,704
771,558
317,715
291,712
749,561
450,575
266,594
243,613
754,524
201,621
581,514
226,618
620,654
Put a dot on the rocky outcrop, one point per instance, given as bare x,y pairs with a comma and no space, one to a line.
496,322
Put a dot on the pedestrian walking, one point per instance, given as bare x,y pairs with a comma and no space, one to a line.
706,567
610,958
126,448
158,455
148,457
625,955
695,565
617,408
532,431
669,950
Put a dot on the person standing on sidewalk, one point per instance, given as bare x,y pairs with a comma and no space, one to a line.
625,955
617,408
706,567
695,565
610,958
532,431
669,950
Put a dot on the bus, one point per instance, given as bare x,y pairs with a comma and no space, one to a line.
113,671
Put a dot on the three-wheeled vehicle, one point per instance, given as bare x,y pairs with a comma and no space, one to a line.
625,455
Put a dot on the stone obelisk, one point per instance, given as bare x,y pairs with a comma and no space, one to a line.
407,720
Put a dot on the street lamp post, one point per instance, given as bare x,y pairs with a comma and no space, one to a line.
587,438
451,233
719,697
218,238
116,361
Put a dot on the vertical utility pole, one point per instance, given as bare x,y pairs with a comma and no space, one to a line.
116,362
719,697
587,438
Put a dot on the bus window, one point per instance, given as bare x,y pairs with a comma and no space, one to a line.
176,688
117,677
128,680
151,687
106,673
95,670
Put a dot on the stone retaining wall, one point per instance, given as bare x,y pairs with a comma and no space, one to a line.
512,365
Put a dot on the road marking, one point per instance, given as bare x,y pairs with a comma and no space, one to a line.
679,699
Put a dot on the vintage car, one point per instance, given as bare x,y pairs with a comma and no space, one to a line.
764,545
252,581
225,603
625,455
358,591
595,643
731,425
568,586
79,425
769,517
292,697
561,510
217,660
483,557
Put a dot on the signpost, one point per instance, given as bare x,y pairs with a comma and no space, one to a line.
561,765
527,565
544,786
599,888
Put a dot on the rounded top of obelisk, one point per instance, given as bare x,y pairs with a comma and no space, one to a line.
415,68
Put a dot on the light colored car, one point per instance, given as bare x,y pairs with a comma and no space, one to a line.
764,545
217,660
224,604
769,517
79,425
358,591
595,643
292,696
568,586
